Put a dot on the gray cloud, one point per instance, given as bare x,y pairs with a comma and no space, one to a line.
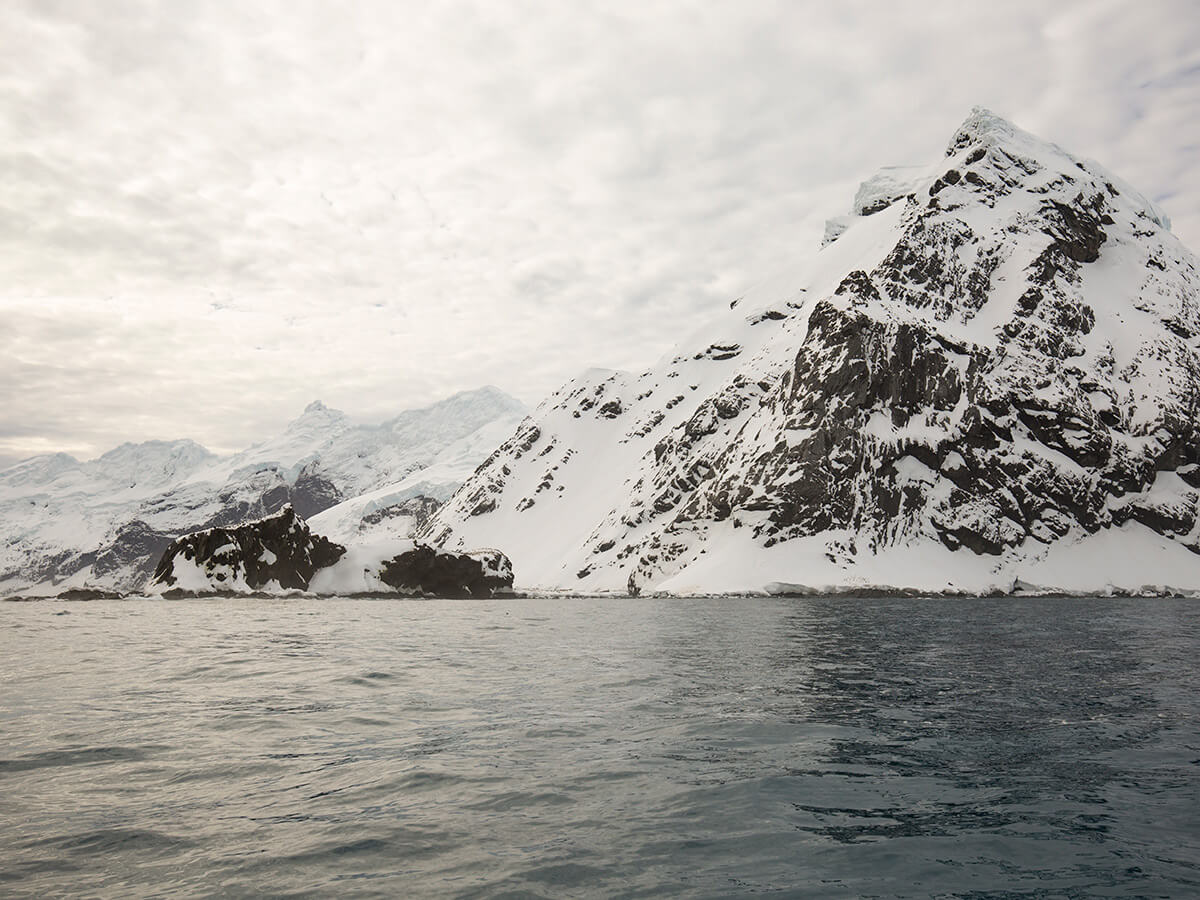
211,214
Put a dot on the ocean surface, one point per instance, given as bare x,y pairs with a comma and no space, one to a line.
841,747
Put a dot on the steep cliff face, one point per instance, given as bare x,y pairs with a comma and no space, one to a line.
989,373
105,523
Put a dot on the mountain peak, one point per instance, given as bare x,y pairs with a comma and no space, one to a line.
988,376
983,124
317,413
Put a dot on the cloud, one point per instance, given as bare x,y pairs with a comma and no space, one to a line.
214,214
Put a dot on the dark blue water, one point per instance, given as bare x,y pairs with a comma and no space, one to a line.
613,748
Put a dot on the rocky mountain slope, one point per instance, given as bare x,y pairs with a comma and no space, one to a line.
105,523
988,376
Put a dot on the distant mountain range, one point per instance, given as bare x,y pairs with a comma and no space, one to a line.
104,523
987,379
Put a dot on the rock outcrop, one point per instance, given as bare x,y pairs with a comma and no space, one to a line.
281,553
278,552
991,369
436,573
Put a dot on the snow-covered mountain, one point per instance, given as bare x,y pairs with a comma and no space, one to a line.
987,376
105,523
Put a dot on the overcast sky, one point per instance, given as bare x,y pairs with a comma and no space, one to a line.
214,213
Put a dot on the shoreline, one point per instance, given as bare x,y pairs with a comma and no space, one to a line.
1024,592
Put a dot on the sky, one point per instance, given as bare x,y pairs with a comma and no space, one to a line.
214,213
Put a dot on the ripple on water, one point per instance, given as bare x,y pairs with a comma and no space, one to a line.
69,757
111,840
810,748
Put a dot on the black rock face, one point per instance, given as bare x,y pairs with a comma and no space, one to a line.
88,594
279,548
1019,437
440,574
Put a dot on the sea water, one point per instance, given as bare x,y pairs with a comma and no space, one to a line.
835,747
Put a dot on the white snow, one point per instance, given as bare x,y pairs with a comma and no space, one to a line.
888,185
358,570
438,480
55,507
576,509
1131,558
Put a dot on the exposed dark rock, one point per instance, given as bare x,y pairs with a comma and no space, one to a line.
436,573
1076,229
276,498
879,205
484,506
313,492
136,546
54,565
420,508
88,594
858,283
720,351
262,494
525,439
951,177
1190,474
277,549
770,315
1175,517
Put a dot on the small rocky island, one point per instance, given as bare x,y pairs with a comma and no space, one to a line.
280,553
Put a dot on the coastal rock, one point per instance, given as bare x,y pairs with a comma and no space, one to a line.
479,573
281,553
275,552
